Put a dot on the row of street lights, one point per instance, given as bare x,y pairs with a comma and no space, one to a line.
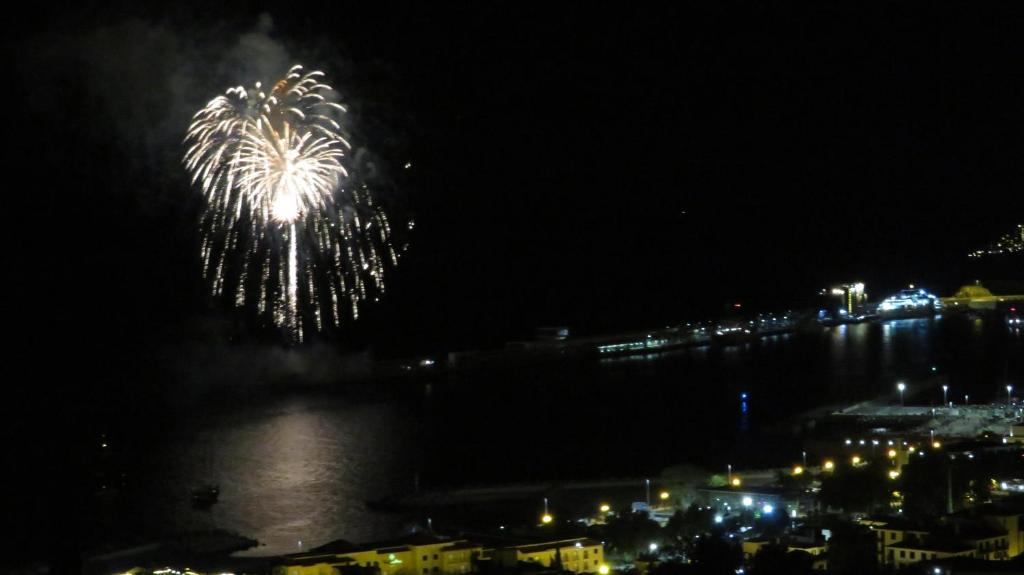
901,387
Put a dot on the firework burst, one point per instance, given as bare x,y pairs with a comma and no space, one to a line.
285,233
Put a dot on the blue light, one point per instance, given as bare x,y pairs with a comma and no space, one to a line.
767,509
743,395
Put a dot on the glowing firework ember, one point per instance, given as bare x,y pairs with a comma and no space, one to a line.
280,233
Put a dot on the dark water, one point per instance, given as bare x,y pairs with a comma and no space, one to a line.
300,468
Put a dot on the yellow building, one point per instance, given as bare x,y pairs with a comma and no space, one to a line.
429,555
993,546
419,554
819,561
912,550
577,555
752,547
986,533
814,549
1009,519
890,532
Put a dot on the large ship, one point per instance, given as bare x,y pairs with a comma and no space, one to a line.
910,302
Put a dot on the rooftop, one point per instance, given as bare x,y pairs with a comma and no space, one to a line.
932,544
341,546
896,523
537,547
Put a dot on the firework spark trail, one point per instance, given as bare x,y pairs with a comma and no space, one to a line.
269,163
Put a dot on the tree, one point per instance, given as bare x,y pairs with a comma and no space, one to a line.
852,550
713,555
856,489
631,533
556,563
683,525
787,480
775,559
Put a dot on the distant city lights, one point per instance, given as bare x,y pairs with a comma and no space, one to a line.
1010,243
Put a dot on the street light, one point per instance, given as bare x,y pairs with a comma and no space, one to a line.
647,482
729,475
901,386
829,465
805,458
1009,388
663,495
605,508
945,388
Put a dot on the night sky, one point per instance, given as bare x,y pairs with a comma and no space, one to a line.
596,168
599,168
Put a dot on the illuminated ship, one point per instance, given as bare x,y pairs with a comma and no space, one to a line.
910,302
734,333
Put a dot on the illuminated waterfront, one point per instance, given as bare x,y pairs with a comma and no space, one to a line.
302,467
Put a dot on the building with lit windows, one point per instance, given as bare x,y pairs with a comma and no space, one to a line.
419,554
424,554
986,532
890,532
844,303
914,550
576,555
1006,516
852,297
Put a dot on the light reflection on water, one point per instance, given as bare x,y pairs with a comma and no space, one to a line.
301,472
302,469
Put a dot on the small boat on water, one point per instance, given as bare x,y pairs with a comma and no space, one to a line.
204,497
